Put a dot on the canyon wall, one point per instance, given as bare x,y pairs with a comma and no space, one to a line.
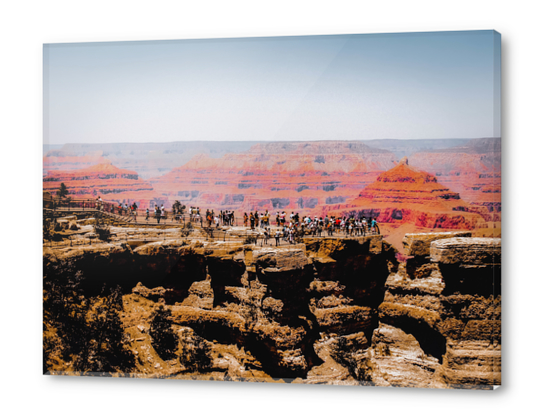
102,180
326,310
448,184
298,176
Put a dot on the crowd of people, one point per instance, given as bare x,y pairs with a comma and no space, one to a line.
290,227
121,209
296,226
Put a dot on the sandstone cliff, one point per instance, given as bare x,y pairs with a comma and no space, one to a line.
326,310
147,159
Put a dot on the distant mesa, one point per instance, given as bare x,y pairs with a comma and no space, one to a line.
409,195
295,176
453,176
148,159
103,179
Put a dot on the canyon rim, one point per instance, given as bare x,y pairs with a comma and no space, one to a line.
297,209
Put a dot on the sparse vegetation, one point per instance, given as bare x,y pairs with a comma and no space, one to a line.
251,305
178,208
86,334
164,339
48,228
195,353
250,239
62,191
187,229
106,346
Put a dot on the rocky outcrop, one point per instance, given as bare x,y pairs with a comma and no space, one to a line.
274,301
417,248
452,310
325,310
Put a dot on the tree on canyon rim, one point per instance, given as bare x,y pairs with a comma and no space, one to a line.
64,312
107,346
62,191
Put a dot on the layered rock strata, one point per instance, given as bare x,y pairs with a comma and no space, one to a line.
472,169
409,195
149,160
325,310
301,176
273,301
104,180
450,305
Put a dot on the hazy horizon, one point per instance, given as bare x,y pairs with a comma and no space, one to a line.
51,145
412,86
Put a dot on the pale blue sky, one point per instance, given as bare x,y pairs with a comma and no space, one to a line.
342,87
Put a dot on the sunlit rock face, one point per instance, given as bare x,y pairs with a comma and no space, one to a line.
326,310
447,297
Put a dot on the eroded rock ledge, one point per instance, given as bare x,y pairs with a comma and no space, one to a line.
326,310
449,301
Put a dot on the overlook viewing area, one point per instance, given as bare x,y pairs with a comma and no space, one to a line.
134,226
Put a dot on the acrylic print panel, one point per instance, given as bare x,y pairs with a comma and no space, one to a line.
317,209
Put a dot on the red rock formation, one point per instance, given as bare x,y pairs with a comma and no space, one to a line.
408,195
105,180
296,176
71,163
287,175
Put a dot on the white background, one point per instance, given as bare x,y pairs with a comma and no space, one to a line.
26,25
